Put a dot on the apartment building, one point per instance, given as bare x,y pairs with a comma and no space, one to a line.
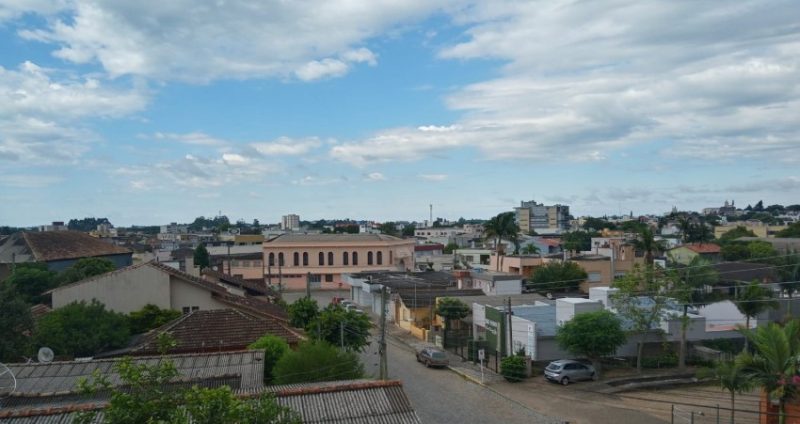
532,216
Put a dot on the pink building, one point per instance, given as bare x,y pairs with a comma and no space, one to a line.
290,258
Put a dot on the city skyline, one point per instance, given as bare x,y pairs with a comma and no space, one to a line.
151,113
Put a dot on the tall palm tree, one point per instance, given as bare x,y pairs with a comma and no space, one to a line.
774,365
688,286
730,377
752,300
502,226
646,242
530,249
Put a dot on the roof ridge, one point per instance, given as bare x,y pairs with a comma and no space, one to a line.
98,276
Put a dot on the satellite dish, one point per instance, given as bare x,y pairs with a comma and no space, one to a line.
45,355
8,383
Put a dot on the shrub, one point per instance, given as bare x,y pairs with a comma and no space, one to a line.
274,349
317,361
513,368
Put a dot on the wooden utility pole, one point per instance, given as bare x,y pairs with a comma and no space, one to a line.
384,373
308,285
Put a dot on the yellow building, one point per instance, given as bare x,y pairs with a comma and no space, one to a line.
759,228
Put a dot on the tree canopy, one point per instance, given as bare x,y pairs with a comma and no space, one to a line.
150,317
389,228
274,348
82,329
576,241
85,268
557,275
317,361
302,311
451,309
502,226
201,257
340,327
592,334
792,231
17,323
30,281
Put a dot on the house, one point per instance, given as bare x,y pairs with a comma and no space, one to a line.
129,289
431,256
492,283
522,265
473,258
44,386
366,287
58,249
415,309
611,259
759,228
685,253
295,260
348,401
216,330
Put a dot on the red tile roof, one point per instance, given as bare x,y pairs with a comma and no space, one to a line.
702,247
215,330
428,247
58,245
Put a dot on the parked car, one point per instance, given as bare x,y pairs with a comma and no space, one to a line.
432,357
565,371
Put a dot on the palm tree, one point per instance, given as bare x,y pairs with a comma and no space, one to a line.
503,225
688,286
752,300
530,249
647,243
730,377
774,365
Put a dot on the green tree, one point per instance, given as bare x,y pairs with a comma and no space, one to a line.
735,233
451,309
201,257
752,300
641,299
81,329
646,242
592,334
530,249
576,241
689,287
502,226
408,231
792,230
30,281
450,248
142,398
389,228
761,250
17,323
85,268
150,317
317,361
274,348
598,224
302,312
734,251
340,327
729,376
774,366
558,275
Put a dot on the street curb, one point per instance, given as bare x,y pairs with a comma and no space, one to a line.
466,376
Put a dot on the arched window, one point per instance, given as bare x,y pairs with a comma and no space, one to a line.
271,259
280,259
380,258
355,258
344,259
296,259
305,258
330,258
321,259
369,258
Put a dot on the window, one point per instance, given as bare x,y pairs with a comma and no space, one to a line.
345,260
355,258
315,278
280,259
321,259
328,278
296,259
271,259
380,258
369,258
330,258
305,258
595,277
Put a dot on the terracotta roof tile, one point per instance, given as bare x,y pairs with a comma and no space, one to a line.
56,245
428,247
703,247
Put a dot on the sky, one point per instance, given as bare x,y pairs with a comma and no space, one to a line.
149,112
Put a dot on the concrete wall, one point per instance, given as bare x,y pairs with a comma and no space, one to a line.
183,294
121,292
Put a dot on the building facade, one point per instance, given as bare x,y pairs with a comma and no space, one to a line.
290,222
291,259
532,216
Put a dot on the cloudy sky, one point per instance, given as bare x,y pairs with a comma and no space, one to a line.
148,112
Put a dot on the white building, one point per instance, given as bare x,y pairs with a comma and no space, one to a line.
290,222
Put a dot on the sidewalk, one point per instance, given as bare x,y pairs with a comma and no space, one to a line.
466,369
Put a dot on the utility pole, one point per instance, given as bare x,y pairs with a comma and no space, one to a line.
341,334
510,330
384,373
308,285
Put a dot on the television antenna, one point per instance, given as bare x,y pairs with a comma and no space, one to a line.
8,383
45,355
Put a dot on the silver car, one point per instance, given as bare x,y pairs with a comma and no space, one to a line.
565,371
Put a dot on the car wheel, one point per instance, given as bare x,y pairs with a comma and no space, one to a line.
565,381
428,364
418,358
594,376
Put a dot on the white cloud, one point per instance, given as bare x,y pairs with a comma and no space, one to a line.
28,180
183,40
433,177
375,176
583,80
193,138
287,146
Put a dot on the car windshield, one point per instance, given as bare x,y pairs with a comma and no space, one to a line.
553,366
437,355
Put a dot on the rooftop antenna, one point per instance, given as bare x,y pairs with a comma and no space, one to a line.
45,355
8,383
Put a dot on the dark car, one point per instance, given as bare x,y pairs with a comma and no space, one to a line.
565,371
432,357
